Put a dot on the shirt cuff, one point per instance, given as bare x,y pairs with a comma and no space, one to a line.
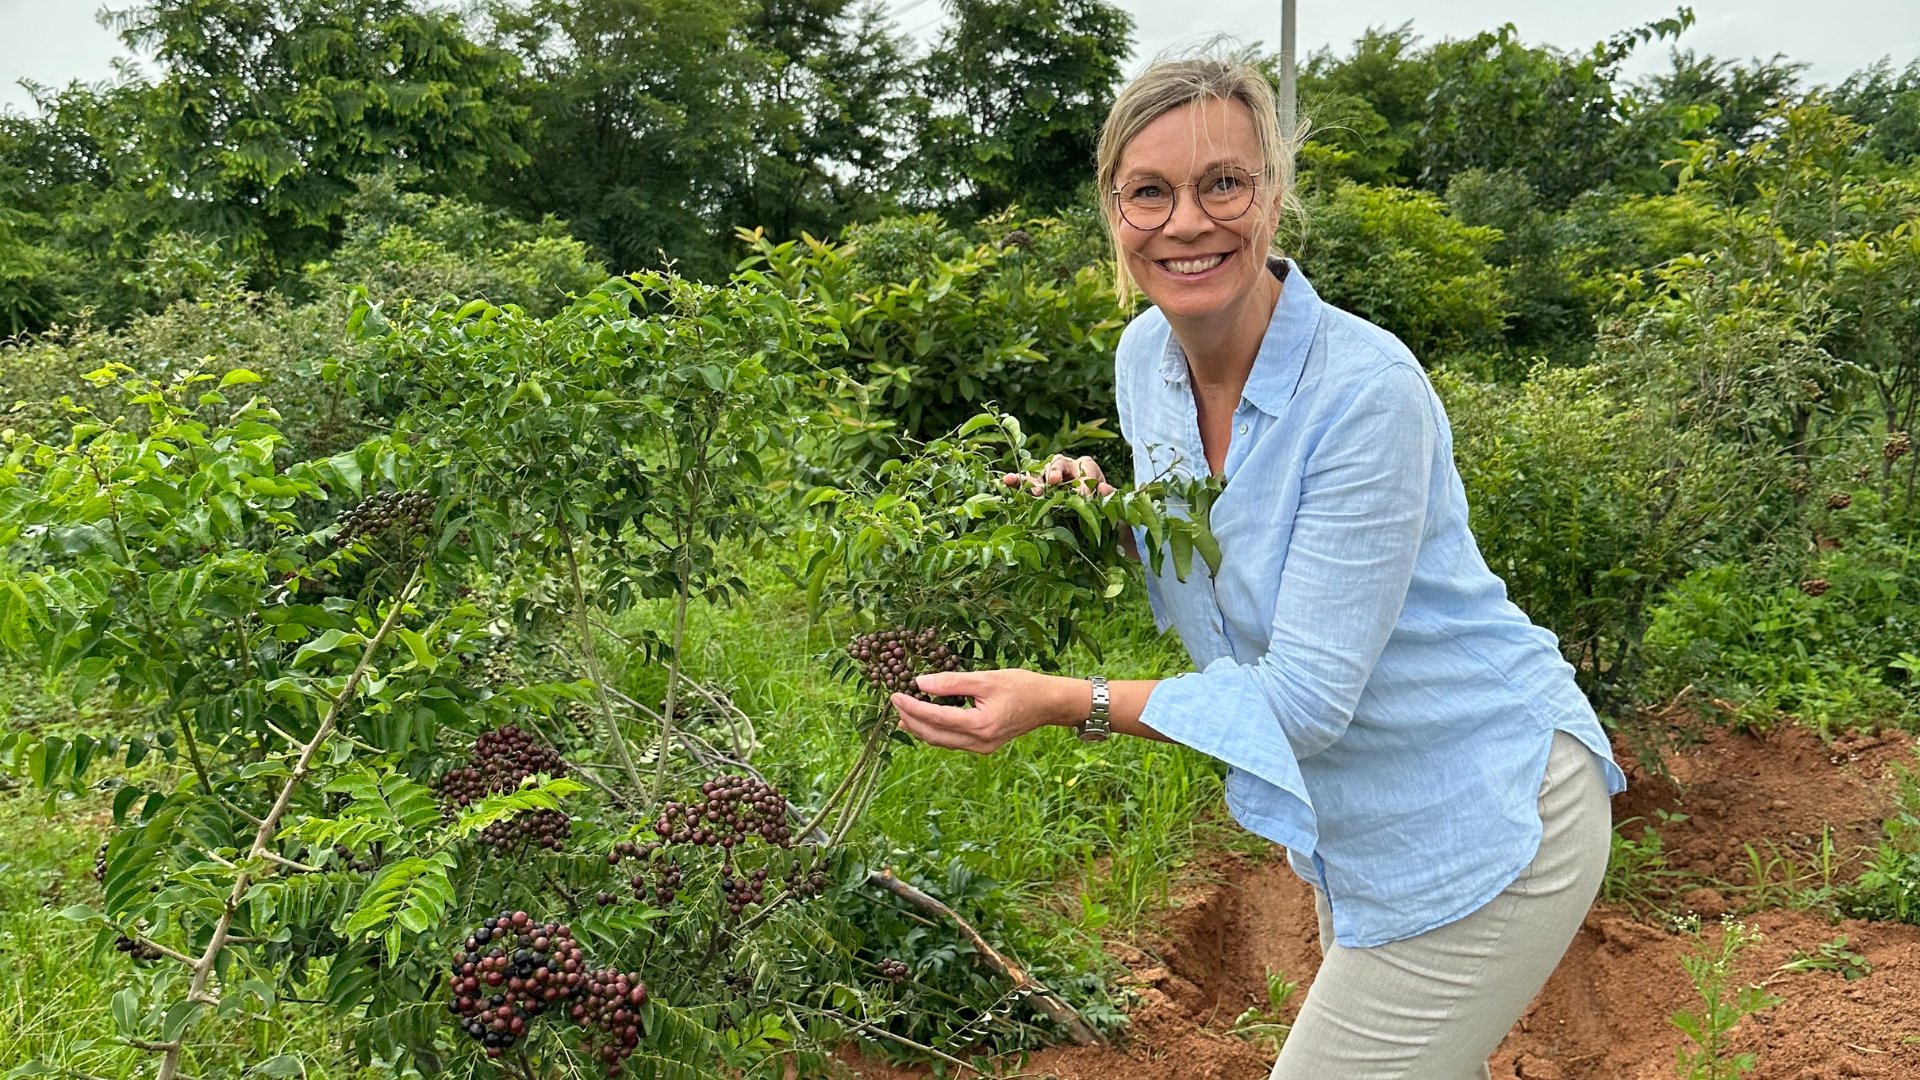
1221,713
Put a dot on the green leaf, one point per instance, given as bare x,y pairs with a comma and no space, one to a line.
238,377
179,1015
417,645
324,644
126,1012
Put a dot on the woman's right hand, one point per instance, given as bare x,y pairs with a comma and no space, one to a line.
1083,472
1087,479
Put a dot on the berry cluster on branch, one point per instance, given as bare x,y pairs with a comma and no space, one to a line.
733,809
513,970
410,510
892,659
500,761
138,950
609,1005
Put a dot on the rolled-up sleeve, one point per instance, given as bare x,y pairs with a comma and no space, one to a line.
1349,561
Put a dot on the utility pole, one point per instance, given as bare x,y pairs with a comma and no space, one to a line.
1289,124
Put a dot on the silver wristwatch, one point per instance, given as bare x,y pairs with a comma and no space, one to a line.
1097,725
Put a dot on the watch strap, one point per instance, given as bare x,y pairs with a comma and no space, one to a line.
1099,722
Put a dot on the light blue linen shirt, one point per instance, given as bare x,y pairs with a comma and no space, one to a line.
1384,711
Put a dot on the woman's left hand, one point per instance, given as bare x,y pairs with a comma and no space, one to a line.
1007,704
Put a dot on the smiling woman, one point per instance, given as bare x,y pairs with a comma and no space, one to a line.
1416,743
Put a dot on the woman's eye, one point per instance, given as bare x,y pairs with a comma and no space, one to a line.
1145,191
1225,184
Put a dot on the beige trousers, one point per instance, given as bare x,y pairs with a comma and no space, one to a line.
1433,1007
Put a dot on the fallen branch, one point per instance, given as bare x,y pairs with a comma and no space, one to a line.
1044,999
874,1029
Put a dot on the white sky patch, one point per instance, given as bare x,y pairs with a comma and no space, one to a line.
58,41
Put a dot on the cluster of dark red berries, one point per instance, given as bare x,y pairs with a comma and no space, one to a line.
1898,445
542,828
1815,586
500,761
891,659
894,971
100,863
667,875
378,513
1839,500
734,808
609,1004
804,882
739,892
138,950
513,970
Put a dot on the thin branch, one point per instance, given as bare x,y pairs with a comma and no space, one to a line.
161,949
290,864
582,619
263,836
873,1029
1044,999
1049,1003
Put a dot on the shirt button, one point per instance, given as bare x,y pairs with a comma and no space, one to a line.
1243,429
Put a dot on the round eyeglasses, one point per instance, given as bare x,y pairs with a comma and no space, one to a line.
1146,202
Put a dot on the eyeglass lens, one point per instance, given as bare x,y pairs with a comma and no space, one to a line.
1147,202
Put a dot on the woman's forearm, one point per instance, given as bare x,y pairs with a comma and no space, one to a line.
1126,700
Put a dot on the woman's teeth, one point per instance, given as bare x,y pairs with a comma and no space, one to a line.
1193,266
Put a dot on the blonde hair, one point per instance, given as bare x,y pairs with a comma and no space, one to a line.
1170,83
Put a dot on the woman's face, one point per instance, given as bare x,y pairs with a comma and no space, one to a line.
1194,266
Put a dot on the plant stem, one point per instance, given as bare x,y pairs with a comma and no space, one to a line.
867,750
262,837
594,668
673,685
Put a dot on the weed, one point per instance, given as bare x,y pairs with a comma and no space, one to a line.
1637,871
1827,956
1262,1025
1723,1004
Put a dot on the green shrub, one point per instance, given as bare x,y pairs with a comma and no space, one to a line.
996,323
1549,312
1823,635
1588,499
403,245
1397,258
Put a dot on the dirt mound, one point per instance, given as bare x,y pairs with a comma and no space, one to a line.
1604,1014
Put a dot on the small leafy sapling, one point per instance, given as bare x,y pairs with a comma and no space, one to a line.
1724,1002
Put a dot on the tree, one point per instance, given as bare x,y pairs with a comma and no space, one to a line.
829,113
644,119
1741,94
264,110
1367,108
1013,95
1554,117
1889,104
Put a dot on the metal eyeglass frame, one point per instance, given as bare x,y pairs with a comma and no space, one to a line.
1253,184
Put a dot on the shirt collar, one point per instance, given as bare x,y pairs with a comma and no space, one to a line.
1283,351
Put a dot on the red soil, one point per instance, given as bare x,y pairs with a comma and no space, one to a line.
1604,1014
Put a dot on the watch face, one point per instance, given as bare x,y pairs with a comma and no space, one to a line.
1089,733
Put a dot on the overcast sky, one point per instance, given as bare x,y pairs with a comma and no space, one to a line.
56,41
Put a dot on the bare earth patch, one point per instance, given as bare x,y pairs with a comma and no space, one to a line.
1604,1014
